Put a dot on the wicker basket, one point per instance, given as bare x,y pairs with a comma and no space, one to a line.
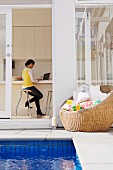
96,118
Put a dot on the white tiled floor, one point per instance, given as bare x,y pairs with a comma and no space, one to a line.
95,150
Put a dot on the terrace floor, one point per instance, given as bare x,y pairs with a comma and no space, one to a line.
95,150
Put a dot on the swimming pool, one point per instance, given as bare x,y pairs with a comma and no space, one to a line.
38,155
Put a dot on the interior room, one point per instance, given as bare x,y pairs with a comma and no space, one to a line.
31,39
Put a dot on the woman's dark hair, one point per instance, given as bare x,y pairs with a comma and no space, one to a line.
30,61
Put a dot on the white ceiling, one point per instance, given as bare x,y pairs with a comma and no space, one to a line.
18,2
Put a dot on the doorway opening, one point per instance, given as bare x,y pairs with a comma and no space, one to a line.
31,39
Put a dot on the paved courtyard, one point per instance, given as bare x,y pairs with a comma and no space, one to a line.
95,150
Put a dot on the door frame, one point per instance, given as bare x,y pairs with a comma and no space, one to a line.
7,9
10,7
8,56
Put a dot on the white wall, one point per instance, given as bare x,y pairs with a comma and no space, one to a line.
64,81
39,69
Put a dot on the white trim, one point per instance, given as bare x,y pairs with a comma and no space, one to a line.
104,2
4,9
80,54
87,49
7,112
8,61
53,56
105,71
25,6
75,51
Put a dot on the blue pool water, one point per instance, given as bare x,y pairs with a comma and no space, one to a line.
38,155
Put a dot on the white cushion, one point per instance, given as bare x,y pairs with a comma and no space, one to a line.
83,96
83,93
96,94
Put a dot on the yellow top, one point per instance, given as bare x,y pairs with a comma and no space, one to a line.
26,78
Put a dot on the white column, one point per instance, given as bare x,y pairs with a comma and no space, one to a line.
99,71
99,61
76,63
98,53
76,54
104,41
64,70
81,62
95,69
87,49
108,58
102,62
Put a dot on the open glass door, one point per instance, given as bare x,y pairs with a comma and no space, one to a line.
5,62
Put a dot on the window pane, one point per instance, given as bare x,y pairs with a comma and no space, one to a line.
94,38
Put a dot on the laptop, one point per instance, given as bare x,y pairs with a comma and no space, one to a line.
46,76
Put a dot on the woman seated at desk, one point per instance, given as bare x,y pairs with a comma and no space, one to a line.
28,80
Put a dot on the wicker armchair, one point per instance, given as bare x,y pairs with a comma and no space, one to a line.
96,118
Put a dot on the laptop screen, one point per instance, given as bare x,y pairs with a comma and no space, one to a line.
46,76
